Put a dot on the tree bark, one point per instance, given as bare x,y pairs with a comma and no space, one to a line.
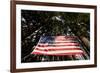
85,41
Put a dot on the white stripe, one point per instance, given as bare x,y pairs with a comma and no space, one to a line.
59,52
55,47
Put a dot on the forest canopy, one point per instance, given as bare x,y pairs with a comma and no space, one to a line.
35,24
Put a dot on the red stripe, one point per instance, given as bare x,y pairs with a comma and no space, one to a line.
70,41
63,39
60,54
56,47
66,36
65,44
71,36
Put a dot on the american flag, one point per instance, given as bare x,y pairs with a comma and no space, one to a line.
58,46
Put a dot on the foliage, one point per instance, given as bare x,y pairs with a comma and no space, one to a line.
35,24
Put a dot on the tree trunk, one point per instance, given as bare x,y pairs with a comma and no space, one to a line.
85,41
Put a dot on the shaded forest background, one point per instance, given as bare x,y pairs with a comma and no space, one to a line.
35,24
